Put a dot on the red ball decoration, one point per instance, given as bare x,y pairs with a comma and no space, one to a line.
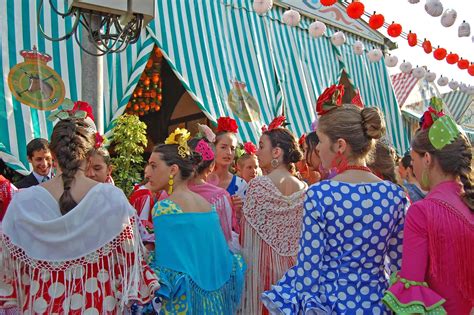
427,46
394,29
452,58
328,3
355,10
376,21
470,69
412,39
463,64
440,53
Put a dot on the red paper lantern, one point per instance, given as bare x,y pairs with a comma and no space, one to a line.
452,58
394,29
355,9
328,3
440,53
470,69
463,64
376,21
427,46
412,39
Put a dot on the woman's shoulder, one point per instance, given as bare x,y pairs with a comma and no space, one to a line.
166,206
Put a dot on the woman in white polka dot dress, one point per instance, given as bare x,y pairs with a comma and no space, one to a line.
352,226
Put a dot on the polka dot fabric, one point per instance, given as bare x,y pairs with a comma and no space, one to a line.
352,234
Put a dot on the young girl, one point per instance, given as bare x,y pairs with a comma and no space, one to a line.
99,166
247,163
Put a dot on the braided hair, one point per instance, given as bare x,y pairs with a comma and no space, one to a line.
71,141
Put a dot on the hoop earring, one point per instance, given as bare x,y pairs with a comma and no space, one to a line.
425,181
170,185
274,163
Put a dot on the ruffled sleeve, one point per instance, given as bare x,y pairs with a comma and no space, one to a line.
409,297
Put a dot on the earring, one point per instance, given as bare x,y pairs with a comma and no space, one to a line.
425,181
274,163
170,185
339,163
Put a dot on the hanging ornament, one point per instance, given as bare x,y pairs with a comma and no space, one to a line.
317,29
355,9
452,58
430,76
463,87
449,17
375,55
463,64
427,46
358,47
440,53
291,17
391,61
413,1
470,69
394,30
442,81
464,29
418,72
412,39
470,90
338,38
327,3
434,7
453,85
406,67
376,21
261,7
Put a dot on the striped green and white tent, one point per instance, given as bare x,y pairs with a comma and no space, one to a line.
208,43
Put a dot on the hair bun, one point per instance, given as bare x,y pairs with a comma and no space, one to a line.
196,158
372,122
295,156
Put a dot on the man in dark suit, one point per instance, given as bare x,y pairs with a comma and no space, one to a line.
41,160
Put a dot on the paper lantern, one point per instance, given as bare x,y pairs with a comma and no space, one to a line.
291,17
338,38
427,46
355,10
464,29
391,61
394,30
434,7
375,55
442,81
358,47
327,3
376,21
449,17
470,69
440,53
413,1
261,7
453,85
470,90
452,58
463,87
317,29
463,64
412,39
418,72
406,67
430,76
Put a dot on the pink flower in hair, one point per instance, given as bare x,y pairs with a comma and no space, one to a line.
205,150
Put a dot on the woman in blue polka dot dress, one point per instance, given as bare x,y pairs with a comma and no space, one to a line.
352,227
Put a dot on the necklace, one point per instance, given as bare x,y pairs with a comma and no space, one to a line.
354,167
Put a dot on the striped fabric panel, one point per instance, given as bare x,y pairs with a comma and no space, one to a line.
458,103
403,84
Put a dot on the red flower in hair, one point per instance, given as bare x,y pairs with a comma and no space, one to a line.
302,140
227,124
427,120
331,98
277,122
99,140
84,106
250,148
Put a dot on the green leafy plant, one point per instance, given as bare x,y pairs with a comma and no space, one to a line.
130,141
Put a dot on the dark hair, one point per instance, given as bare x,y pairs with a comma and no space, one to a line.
71,142
36,144
285,140
406,161
454,159
203,164
359,128
311,141
383,163
103,152
187,165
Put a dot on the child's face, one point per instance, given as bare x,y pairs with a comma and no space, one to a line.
249,169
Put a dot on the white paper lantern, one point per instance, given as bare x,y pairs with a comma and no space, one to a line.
443,81
262,6
470,90
418,72
413,1
317,29
453,85
338,38
375,55
463,87
406,67
449,17
434,7
464,29
291,17
391,61
358,47
430,76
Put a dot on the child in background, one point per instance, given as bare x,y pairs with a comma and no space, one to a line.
247,163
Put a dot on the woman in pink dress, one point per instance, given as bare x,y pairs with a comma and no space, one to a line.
437,274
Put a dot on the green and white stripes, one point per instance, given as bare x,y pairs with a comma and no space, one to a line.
458,102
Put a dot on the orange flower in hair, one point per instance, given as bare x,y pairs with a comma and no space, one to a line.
330,99
227,124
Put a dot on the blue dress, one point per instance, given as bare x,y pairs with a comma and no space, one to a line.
351,238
